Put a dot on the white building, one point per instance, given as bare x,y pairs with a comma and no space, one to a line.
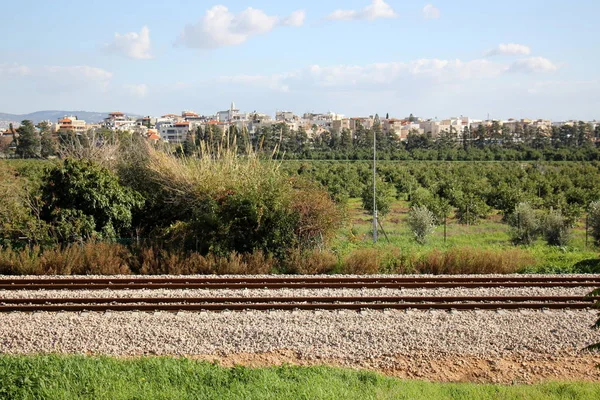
228,115
174,132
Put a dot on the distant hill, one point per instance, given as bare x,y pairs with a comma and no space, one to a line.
54,115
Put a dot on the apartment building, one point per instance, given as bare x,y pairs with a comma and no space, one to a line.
71,124
174,132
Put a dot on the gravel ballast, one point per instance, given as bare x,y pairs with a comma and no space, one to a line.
518,291
344,335
408,343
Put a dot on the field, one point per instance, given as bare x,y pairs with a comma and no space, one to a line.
79,377
294,225
490,234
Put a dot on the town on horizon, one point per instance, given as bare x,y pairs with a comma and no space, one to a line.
174,128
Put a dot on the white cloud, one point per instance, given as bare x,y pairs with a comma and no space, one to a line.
58,79
219,27
383,74
133,45
510,49
377,9
71,78
378,76
398,76
532,65
10,70
294,19
140,90
431,12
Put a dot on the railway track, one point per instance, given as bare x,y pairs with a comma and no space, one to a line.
294,283
162,303
293,303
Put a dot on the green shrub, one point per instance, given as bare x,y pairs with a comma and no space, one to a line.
82,200
421,222
226,203
594,220
525,224
556,229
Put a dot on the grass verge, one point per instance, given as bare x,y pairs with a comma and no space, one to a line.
79,377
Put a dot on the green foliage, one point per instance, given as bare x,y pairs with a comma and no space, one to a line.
556,229
28,141
438,206
421,222
225,203
48,146
594,220
525,224
385,195
470,207
82,200
20,222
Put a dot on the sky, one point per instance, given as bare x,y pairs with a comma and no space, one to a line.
508,59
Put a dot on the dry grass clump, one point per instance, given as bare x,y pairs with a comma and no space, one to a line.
150,261
87,259
190,179
467,260
244,264
115,259
313,262
362,262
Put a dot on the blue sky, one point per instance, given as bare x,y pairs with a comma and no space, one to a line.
521,59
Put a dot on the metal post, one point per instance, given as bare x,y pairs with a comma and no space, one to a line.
586,229
445,227
374,187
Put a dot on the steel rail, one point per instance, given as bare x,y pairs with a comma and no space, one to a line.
287,306
295,279
300,299
295,285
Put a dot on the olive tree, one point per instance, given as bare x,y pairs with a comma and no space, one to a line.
594,220
421,222
525,224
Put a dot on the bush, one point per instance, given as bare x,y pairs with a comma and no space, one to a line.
421,222
230,203
362,262
313,262
525,224
82,200
439,206
594,220
556,229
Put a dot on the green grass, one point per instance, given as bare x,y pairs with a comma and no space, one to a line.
488,234
79,377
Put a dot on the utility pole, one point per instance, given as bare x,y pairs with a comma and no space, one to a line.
375,185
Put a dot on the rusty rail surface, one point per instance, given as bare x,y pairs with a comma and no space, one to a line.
122,283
